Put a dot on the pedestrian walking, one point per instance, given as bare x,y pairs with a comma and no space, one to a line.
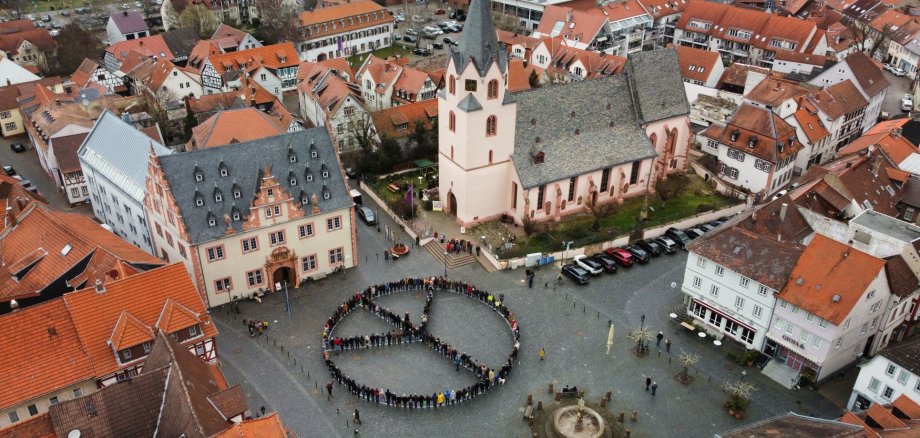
357,417
667,345
329,389
542,353
654,388
659,338
648,382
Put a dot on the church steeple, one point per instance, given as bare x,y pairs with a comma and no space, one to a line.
478,42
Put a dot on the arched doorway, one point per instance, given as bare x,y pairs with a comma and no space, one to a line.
321,57
283,274
452,203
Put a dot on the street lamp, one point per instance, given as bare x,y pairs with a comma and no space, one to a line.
445,263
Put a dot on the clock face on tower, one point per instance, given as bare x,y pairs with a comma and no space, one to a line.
470,85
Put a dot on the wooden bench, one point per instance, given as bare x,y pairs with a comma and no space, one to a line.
571,394
528,413
393,188
688,326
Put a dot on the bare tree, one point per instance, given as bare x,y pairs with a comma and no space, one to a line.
686,360
868,39
277,21
200,18
360,126
641,336
598,210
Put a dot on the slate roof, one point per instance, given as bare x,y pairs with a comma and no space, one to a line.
594,116
246,163
120,152
479,43
653,77
65,150
912,192
902,280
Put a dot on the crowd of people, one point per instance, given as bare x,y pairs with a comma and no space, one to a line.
406,332
459,246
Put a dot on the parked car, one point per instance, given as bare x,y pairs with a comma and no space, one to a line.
576,273
429,36
397,37
9,171
609,264
780,194
907,103
717,222
417,18
17,147
54,32
693,233
678,236
651,246
706,227
421,52
593,267
437,46
450,41
639,254
65,13
46,18
887,67
669,245
898,72
409,39
621,256
366,214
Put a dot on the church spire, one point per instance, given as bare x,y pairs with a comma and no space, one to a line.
478,42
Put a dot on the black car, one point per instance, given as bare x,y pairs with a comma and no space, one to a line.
640,254
450,41
437,46
678,236
607,262
366,214
421,52
576,273
650,246
707,227
9,171
667,244
409,39
351,173
17,147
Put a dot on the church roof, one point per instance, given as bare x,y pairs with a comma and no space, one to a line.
590,126
469,104
653,77
479,42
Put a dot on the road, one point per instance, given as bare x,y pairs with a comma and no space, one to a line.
899,87
27,165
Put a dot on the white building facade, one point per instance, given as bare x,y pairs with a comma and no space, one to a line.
891,374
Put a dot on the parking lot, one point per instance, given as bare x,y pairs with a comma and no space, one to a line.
27,166
284,370
413,18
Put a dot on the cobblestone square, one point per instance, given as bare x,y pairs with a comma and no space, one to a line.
571,322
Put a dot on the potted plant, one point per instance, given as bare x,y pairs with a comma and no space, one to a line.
739,397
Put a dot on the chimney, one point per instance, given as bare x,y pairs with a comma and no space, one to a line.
875,166
9,214
8,82
14,305
125,13
896,132
569,15
782,211
100,288
125,117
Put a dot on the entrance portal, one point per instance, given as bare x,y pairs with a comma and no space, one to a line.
452,203
281,275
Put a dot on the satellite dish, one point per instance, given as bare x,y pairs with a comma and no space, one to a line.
74,433
673,284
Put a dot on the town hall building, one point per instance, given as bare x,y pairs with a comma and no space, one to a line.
547,152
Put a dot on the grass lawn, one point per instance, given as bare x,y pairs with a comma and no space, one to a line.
694,196
402,180
356,60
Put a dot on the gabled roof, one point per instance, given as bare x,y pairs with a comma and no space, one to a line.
246,164
65,150
230,402
40,346
348,17
129,22
226,31
519,74
572,24
906,354
129,332
595,65
697,64
69,241
175,316
203,50
906,407
851,418
830,278
855,178
764,27
652,76
773,91
792,425
120,152
269,426
867,73
143,295
180,42
884,418
84,73
399,121
10,42
902,280
268,56
153,46
757,131
664,8
14,200
809,122
839,99
234,126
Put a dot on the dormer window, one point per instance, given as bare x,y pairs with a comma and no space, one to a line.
325,195
309,178
304,200
314,154
199,200
752,142
325,174
293,158
199,176
293,182
218,197
735,134
212,221
271,193
223,172
235,214
237,194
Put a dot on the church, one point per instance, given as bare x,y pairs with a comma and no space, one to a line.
547,152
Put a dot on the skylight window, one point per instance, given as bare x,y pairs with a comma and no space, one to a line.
557,29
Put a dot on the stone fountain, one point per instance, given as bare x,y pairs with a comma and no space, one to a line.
578,421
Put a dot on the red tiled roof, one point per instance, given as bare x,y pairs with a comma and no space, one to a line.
829,269
95,315
663,8
753,124
774,91
41,352
269,426
399,121
764,26
810,123
519,74
347,18
84,72
149,47
907,406
234,126
596,64
176,317
129,332
851,418
839,99
884,418
39,426
583,26
697,64
867,73
267,56
14,26
203,50
11,42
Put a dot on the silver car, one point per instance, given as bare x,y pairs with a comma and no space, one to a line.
366,214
